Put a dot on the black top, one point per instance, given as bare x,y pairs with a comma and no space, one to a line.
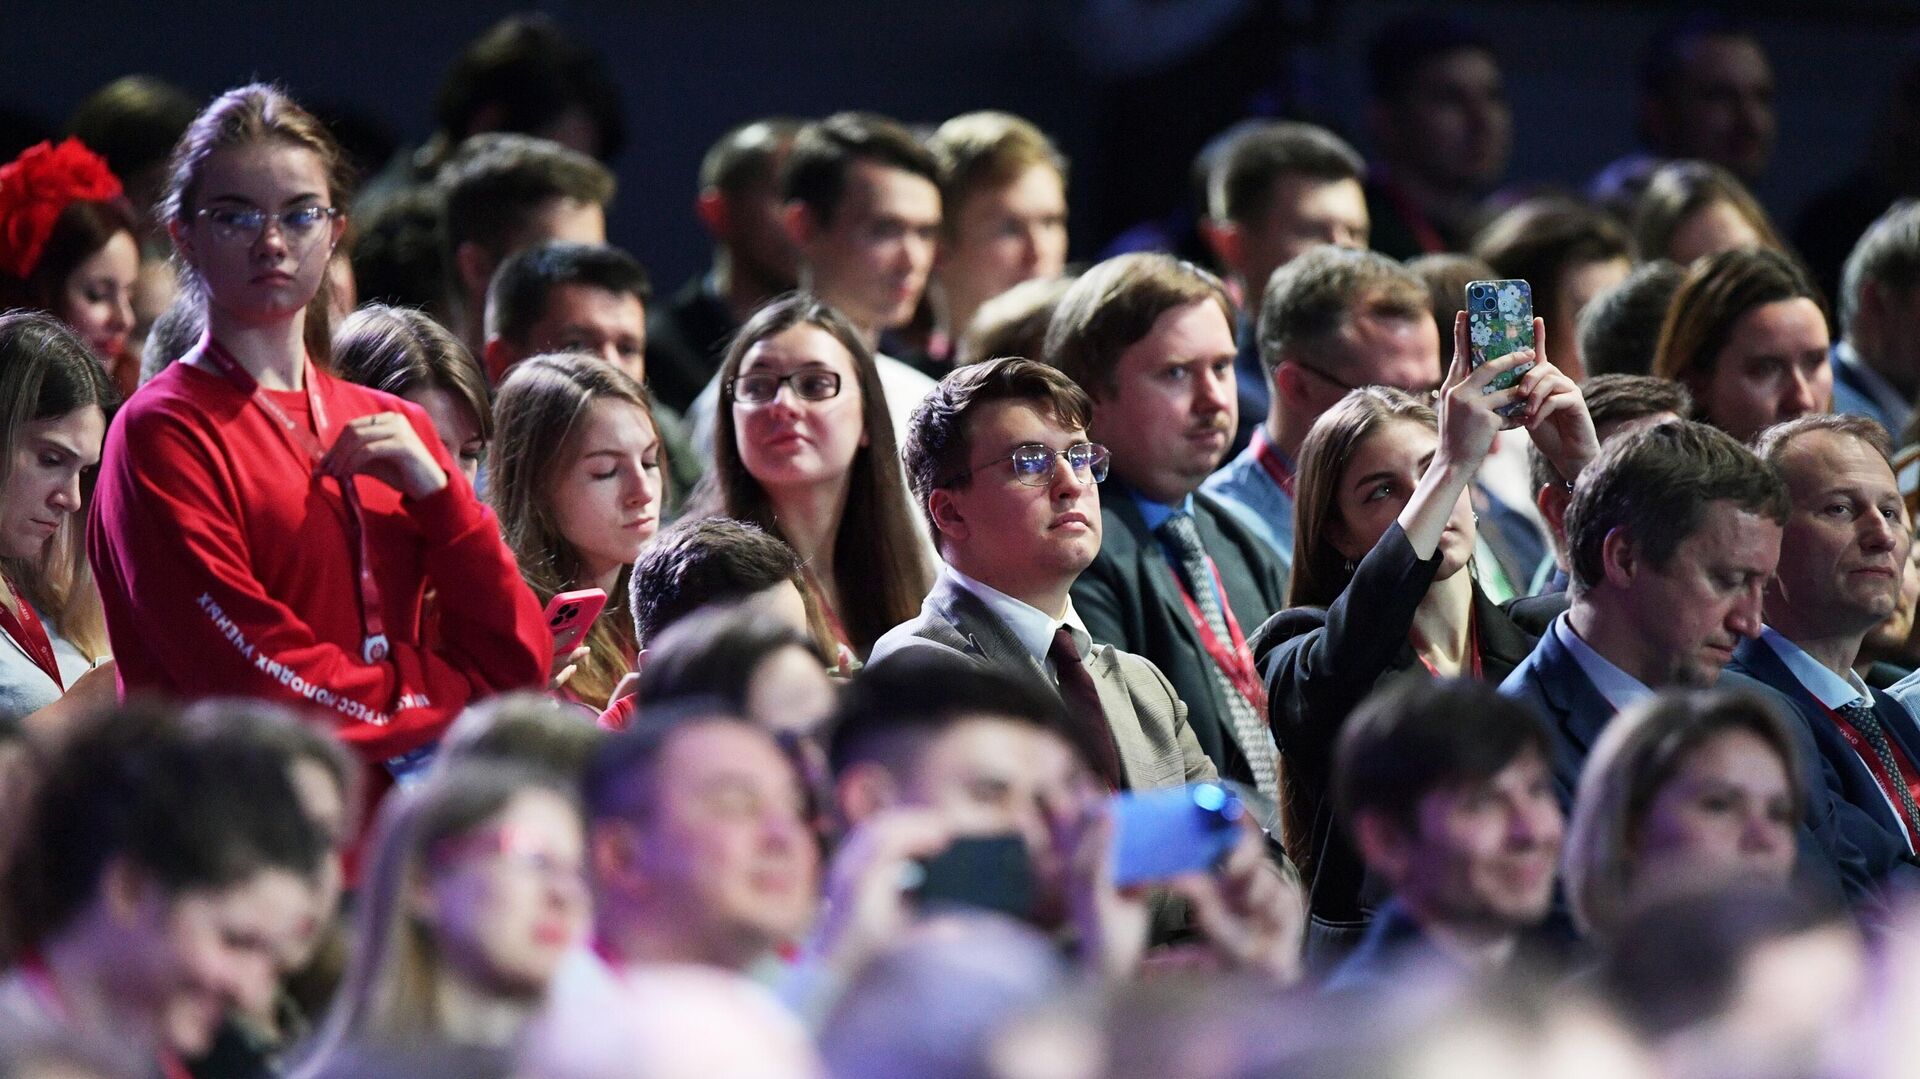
686,340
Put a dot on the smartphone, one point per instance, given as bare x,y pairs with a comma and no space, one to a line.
990,872
571,614
1499,321
1163,833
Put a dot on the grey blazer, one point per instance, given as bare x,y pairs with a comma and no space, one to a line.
1157,748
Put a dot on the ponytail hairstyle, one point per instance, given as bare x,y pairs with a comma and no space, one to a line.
251,114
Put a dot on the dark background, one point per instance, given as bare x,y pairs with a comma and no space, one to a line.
690,69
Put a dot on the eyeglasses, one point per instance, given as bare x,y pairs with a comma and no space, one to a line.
1033,463
1428,394
245,226
808,385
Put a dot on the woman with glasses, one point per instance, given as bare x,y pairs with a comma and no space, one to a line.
576,475
262,528
803,447
476,893
1380,580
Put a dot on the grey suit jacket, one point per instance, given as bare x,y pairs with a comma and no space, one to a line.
1149,723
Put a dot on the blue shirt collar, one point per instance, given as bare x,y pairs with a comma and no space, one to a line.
1827,687
1617,686
1158,513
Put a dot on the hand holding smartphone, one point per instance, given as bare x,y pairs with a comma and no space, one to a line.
571,614
1166,833
1500,321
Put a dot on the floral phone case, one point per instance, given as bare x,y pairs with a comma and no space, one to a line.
1500,320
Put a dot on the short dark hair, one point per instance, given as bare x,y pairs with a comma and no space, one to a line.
894,708
530,74
1115,304
1656,484
133,122
713,655
703,561
1613,400
619,777
1256,158
746,154
517,296
1667,51
398,254
189,810
1308,300
1402,47
823,151
939,441
1542,240
1411,739
522,728
496,182
1620,330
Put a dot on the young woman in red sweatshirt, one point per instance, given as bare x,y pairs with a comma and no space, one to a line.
264,529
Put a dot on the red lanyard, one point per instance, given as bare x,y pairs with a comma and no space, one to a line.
31,636
1872,760
373,644
1424,232
1473,654
1236,661
1278,467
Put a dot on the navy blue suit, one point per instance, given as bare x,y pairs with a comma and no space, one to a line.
1552,681
1863,812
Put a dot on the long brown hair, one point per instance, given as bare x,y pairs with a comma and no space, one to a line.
249,114
46,372
538,421
400,350
877,544
1718,290
1320,571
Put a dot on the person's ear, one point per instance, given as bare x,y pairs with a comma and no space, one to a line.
714,213
1384,846
613,856
1292,385
863,790
1225,240
127,892
182,238
475,266
947,518
1552,500
496,356
1619,558
802,226
337,227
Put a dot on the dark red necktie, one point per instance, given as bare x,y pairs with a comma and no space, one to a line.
1082,698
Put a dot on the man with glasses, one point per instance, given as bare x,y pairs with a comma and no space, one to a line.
1000,463
1331,321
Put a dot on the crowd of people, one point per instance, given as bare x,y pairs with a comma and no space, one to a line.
424,650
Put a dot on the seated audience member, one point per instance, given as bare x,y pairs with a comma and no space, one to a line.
1448,794
527,75
863,210
1013,323
521,729
739,205
57,401
1888,653
575,476
1706,94
568,297
1672,536
1620,330
1330,321
1746,334
397,255
1876,362
1843,558
1569,252
1691,210
697,841
714,560
1382,589
1447,276
1276,190
1150,341
69,246
1618,404
1437,110
1002,468
154,881
804,449
172,335
927,747
1684,794
1003,220
133,122
400,351
476,893
505,193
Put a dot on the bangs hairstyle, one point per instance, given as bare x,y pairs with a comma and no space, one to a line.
877,545
823,152
1114,305
47,372
400,351
1320,572
538,427
1635,758
1678,190
939,441
251,114
1719,290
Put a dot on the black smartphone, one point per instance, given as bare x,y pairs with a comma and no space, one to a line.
989,872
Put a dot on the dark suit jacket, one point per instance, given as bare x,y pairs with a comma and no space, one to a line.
1130,599
1149,723
1552,681
1861,810
1319,665
686,339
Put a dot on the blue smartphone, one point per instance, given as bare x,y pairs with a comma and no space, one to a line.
1499,321
1163,833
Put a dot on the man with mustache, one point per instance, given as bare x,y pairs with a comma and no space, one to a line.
1178,577
1841,562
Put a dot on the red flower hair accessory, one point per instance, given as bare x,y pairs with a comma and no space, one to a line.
35,187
